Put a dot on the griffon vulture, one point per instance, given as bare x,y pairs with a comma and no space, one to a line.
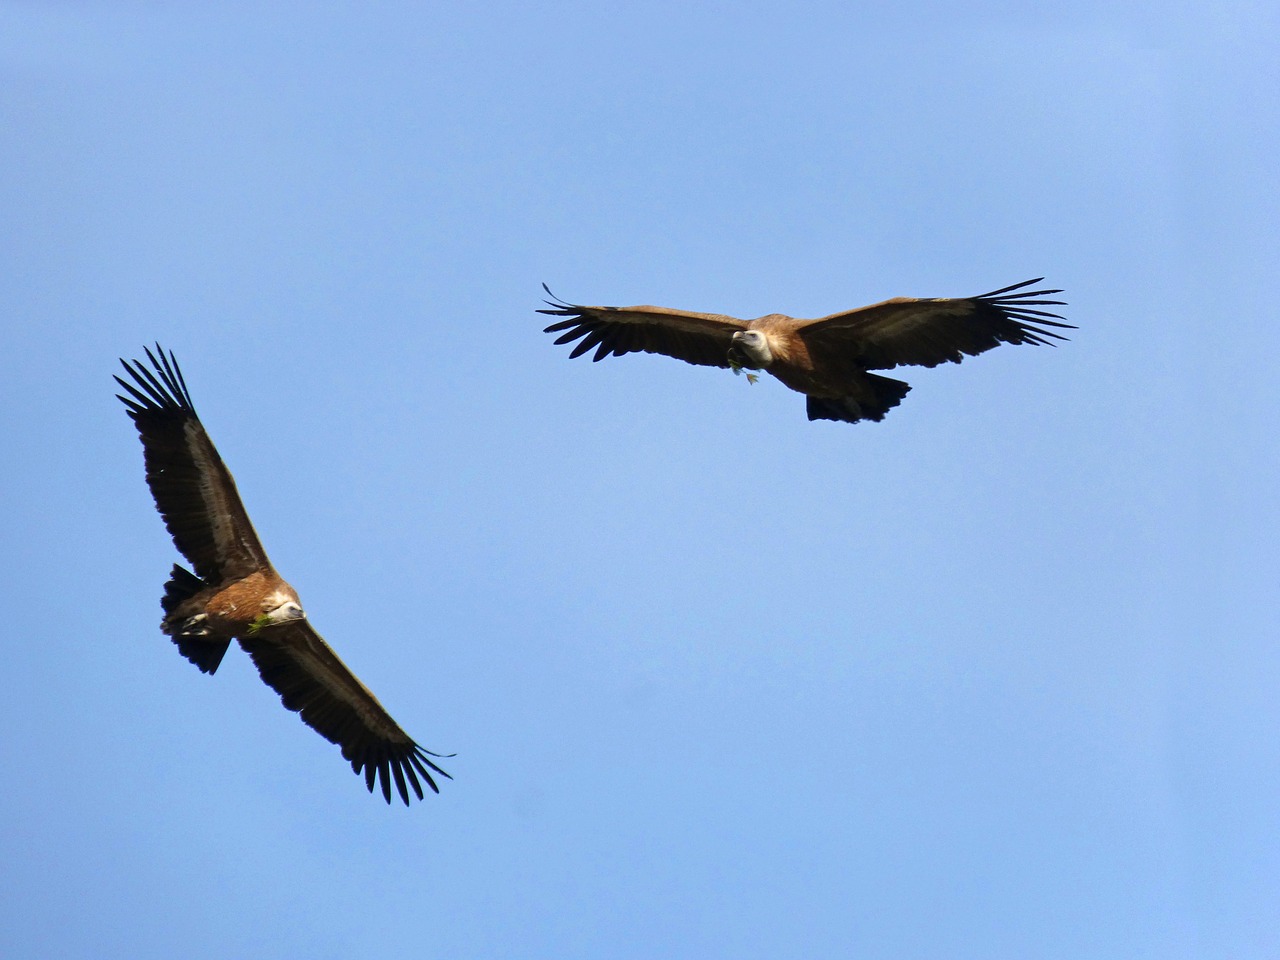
826,359
236,594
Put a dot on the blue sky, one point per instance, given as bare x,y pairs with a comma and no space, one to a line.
996,677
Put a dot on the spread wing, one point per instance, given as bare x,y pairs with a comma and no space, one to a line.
925,333
192,487
701,338
295,662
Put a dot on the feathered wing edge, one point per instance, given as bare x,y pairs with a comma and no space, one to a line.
697,338
168,394
381,755
929,331
1015,307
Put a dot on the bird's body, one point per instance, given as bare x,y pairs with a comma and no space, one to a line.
828,359
788,357
236,594
236,609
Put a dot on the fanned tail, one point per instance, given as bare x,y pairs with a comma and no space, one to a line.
189,634
887,394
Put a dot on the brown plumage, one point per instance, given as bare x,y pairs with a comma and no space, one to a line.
828,358
236,594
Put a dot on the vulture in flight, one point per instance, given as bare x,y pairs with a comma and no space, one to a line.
236,594
826,359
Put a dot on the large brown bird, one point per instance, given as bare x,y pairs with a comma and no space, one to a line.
235,593
826,359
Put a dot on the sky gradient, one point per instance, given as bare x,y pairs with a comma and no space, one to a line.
996,677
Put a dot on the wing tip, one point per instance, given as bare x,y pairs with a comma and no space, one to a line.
403,766
160,389
559,305
1017,309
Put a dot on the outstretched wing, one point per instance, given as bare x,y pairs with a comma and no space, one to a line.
295,662
701,338
192,487
925,333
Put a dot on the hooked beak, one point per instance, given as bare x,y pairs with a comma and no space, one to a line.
290,611
273,618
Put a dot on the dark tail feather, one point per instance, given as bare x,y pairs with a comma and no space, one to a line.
182,585
192,643
888,393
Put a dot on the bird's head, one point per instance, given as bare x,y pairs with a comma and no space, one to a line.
279,607
749,348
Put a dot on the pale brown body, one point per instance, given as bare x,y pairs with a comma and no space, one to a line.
236,610
813,373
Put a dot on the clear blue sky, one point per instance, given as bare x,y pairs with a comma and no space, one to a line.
997,677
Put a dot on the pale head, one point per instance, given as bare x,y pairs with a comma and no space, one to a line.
280,606
750,348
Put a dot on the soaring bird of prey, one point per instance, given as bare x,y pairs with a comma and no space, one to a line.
826,359
236,594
